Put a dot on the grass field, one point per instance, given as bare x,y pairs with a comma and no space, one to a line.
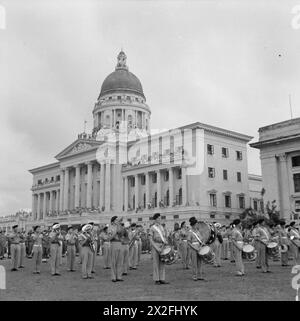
138,285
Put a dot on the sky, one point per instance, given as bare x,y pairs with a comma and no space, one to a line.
231,64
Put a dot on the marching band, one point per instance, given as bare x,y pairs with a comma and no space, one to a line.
121,246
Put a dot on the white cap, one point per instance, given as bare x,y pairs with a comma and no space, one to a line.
126,224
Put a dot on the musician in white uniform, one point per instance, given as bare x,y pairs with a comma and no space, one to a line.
158,238
55,248
85,240
237,246
263,237
133,247
295,243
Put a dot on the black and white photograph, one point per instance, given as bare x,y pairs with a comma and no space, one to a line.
149,152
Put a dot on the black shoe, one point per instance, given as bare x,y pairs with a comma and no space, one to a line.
202,279
14,270
57,274
90,277
124,273
93,272
258,267
269,272
114,280
21,267
38,272
157,282
164,282
120,280
73,270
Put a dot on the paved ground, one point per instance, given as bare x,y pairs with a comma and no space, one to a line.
138,285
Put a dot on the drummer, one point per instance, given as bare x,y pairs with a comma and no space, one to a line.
237,246
263,237
195,242
183,245
256,245
295,243
283,241
158,238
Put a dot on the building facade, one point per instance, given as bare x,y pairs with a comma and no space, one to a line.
121,168
279,146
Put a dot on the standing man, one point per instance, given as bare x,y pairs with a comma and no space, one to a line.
295,242
37,238
133,247
2,244
139,242
217,246
256,245
22,249
15,249
106,247
183,245
284,243
94,240
225,244
125,243
55,250
114,232
195,242
263,237
229,232
237,246
29,244
71,249
86,239
158,238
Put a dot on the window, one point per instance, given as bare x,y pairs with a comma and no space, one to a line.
143,180
110,98
210,149
212,215
132,182
227,201
241,201
239,155
119,97
262,206
58,178
297,206
225,152
163,217
140,219
255,207
225,174
297,182
213,199
39,182
176,217
239,176
154,178
166,176
211,172
296,161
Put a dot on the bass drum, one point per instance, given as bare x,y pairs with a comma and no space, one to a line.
207,254
168,255
208,232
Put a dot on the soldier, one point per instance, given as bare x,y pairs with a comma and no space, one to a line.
256,245
29,245
195,242
225,244
114,233
158,238
125,243
295,242
139,242
71,250
229,233
37,238
106,247
55,239
94,240
2,244
263,236
183,245
87,251
237,246
217,246
14,238
284,242
22,249
133,247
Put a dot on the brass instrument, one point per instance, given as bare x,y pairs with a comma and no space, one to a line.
89,241
131,242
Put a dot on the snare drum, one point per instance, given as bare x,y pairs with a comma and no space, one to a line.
273,249
207,254
249,252
168,255
208,232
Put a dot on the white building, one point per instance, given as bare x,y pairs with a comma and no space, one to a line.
122,169
279,146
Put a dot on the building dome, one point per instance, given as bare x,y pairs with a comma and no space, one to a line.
121,80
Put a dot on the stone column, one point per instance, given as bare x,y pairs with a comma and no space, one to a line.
61,190
171,187
66,189
184,189
147,182
51,201
158,187
33,205
126,193
102,178
44,205
77,185
107,187
136,190
38,206
89,185
57,200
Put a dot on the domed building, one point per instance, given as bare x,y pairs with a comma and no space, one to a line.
120,168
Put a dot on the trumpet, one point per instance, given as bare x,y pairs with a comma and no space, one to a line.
136,233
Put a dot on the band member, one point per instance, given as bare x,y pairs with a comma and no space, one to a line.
284,242
176,236
158,238
125,247
87,250
106,247
237,246
263,237
22,249
15,249
55,252
94,239
133,247
2,244
71,249
195,242
114,232
230,243
183,245
37,238
29,247
295,242
217,246
256,245
225,244
139,242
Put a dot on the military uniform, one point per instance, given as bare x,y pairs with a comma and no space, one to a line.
125,251
194,239
256,246
37,251
158,266
184,248
283,240
116,252
295,247
237,244
22,250
2,244
225,246
15,249
263,237
71,251
106,249
86,255
133,249
55,252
